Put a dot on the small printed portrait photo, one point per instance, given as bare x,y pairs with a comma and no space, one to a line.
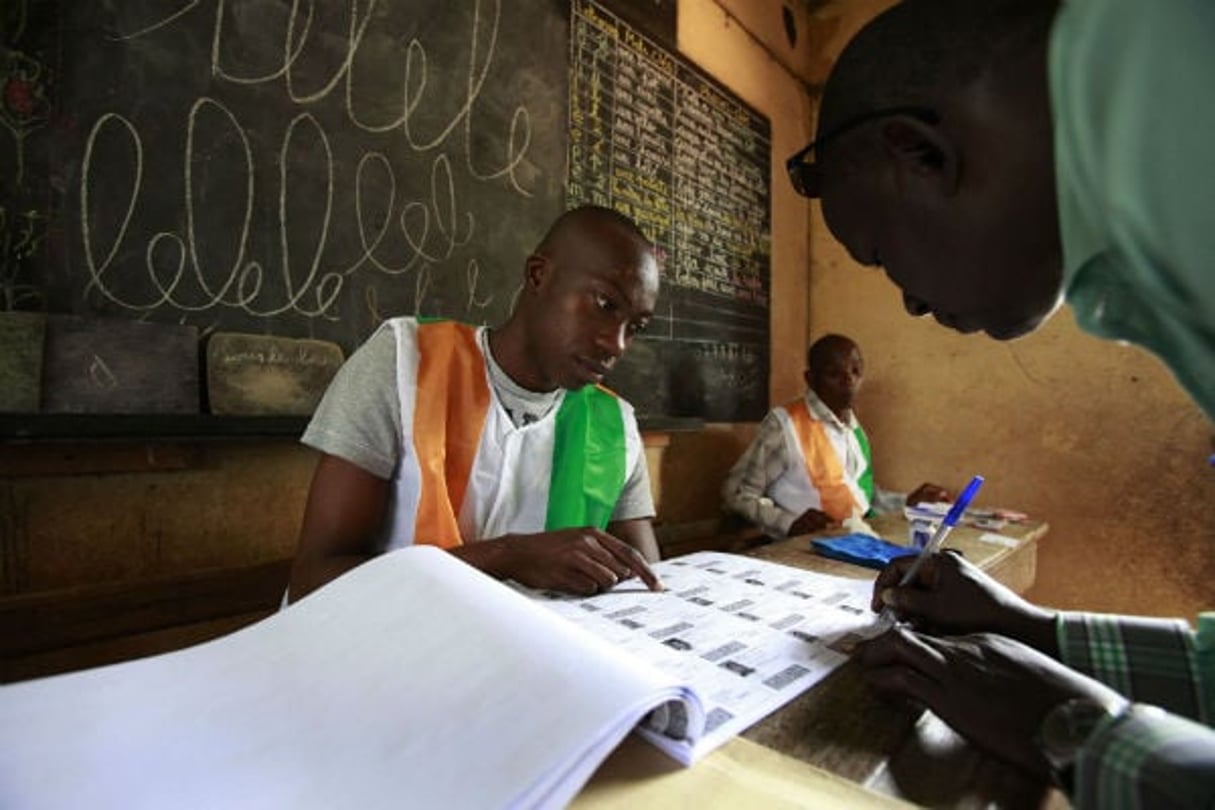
737,668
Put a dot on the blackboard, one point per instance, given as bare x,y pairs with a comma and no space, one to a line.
302,169
308,169
662,142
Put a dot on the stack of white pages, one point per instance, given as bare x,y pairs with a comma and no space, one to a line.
416,681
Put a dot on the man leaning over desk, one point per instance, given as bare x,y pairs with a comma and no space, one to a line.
809,467
997,159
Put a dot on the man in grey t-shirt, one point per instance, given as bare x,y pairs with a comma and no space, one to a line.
588,288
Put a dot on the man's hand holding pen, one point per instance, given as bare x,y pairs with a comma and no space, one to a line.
975,653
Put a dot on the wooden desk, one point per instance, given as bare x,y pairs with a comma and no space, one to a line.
841,728
1012,561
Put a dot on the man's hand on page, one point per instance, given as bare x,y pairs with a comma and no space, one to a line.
581,561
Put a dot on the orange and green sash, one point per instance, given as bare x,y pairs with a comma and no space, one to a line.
452,399
588,460
865,482
822,463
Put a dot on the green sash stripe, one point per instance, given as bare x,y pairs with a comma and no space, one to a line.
866,480
588,460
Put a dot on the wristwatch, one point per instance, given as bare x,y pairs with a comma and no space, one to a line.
1064,731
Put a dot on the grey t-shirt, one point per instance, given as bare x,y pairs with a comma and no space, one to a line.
359,420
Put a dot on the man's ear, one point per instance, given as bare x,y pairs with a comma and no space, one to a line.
922,155
536,271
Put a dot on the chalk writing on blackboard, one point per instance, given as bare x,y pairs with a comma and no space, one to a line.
304,168
656,139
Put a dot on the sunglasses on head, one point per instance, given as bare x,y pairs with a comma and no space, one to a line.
804,174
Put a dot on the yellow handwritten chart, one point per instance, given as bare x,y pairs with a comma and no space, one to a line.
659,141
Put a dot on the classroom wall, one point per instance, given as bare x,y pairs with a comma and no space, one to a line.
1092,437
722,42
102,518
120,549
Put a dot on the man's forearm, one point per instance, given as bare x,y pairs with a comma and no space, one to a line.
1038,627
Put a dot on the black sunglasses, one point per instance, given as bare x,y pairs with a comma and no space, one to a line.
804,175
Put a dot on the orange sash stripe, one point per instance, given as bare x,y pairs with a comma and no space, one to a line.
822,463
451,400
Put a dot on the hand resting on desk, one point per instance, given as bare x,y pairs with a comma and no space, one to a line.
929,493
811,521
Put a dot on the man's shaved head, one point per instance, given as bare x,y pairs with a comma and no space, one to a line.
588,288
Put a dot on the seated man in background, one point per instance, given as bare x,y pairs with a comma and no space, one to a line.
497,444
996,162
809,467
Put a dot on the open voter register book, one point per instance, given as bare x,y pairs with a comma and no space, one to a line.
405,676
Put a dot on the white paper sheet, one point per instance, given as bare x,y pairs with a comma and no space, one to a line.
412,681
747,635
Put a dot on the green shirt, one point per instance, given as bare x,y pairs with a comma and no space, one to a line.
1134,121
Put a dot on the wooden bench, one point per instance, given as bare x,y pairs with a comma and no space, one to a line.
729,533
62,630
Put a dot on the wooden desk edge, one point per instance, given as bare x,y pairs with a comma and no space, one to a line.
1014,566
741,773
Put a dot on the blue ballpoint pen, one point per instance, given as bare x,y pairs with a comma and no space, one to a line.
938,537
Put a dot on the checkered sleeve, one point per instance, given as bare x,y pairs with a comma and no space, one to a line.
1146,758
746,485
1152,756
1162,662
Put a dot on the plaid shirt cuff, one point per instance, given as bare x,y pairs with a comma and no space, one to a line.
1146,758
1152,661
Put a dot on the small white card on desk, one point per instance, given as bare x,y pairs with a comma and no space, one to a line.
999,539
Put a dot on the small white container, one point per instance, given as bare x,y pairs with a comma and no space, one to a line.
922,522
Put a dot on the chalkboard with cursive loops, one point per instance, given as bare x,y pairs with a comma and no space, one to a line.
302,168
306,169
